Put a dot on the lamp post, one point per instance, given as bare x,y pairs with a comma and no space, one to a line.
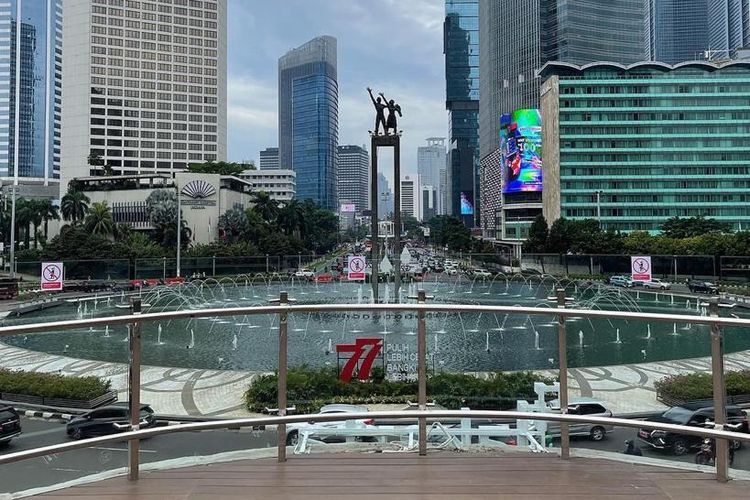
179,228
599,206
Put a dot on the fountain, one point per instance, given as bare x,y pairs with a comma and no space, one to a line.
191,345
234,342
158,335
536,340
487,342
106,331
580,339
617,340
330,346
674,329
648,332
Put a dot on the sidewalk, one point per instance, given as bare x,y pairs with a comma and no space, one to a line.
206,393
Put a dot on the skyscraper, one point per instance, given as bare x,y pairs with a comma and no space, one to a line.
728,27
353,176
409,197
385,197
461,39
678,30
269,159
30,74
143,92
430,161
308,119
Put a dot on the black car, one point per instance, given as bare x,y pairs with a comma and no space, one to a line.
694,415
10,424
107,420
703,287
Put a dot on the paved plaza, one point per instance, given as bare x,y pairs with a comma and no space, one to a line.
195,392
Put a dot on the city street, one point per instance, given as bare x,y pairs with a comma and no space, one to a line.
63,467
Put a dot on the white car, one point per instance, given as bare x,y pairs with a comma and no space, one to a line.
304,273
481,273
293,430
451,271
658,284
581,406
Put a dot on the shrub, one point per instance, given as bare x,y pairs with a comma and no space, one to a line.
308,389
696,386
50,385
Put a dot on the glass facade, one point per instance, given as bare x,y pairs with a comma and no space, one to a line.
308,119
30,88
654,142
461,47
679,30
728,26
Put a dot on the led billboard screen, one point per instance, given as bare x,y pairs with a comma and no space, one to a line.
521,147
467,203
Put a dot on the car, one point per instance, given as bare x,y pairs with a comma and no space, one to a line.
481,273
693,415
658,284
10,424
107,420
582,406
451,271
623,281
641,283
703,287
293,430
304,273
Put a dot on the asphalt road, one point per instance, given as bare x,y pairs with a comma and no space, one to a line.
53,469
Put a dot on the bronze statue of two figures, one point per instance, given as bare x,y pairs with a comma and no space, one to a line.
390,126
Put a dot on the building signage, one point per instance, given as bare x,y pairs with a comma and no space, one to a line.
52,276
197,191
640,268
400,362
347,208
357,266
521,147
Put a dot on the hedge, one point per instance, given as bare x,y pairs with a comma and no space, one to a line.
308,389
698,386
49,385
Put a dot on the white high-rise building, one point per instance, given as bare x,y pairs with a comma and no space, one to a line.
430,162
409,197
144,86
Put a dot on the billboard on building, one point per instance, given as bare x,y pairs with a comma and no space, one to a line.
467,203
347,208
521,147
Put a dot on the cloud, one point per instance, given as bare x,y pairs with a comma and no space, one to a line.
251,103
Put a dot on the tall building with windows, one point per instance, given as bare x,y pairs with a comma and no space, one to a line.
144,86
728,27
630,146
409,197
678,30
461,47
30,76
385,197
354,176
308,119
269,159
430,161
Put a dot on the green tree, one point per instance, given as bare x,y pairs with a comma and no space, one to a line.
266,207
48,212
99,220
233,226
161,206
292,217
220,167
74,206
451,232
538,234
676,227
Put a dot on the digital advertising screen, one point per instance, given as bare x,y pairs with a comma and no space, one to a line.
347,207
467,203
521,147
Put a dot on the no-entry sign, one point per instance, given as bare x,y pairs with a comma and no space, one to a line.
640,268
52,276
356,267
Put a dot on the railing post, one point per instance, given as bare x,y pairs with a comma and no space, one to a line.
134,392
562,354
719,388
281,428
422,371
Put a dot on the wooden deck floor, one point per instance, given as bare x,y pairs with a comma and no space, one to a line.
444,476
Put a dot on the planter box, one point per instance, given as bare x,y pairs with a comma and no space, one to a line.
60,403
739,399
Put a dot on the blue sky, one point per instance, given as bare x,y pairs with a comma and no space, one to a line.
394,46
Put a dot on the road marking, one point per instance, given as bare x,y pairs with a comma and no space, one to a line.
124,449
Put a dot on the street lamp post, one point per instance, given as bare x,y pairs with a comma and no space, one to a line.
13,226
599,206
179,230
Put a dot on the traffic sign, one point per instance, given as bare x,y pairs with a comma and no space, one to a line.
52,276
640,268
357,266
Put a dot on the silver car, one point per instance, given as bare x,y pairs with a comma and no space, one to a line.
582,406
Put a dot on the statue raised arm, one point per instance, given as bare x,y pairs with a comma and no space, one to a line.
379,112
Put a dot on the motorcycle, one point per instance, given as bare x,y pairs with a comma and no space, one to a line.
707,453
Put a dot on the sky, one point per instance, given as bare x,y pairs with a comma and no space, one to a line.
393,46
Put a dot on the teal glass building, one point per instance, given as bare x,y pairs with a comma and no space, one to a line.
635,145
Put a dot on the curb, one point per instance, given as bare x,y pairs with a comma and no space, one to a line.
48,415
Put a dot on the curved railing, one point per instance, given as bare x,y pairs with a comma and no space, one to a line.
284,308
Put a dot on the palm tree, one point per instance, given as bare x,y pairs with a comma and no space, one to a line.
48,212
292,217
74,206
99,219
266,207
25,213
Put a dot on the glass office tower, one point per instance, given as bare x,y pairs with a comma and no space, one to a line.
308,119
679,30
635,147
728,26
30,89
461,47
583,31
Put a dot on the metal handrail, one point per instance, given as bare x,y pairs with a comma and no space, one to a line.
323,308
401,414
